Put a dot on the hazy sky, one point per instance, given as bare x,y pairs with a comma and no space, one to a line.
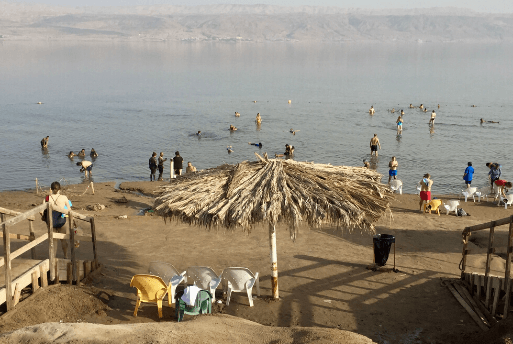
477,5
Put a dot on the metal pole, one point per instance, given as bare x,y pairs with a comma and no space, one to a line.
274,261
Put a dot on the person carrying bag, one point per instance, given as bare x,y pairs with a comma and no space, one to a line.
58,201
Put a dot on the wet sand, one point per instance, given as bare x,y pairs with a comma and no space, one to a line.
322,276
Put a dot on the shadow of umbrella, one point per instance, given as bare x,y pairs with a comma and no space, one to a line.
272,190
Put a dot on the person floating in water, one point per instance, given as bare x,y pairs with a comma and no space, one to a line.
293,132
289,151
432,119
402,112
371,110
237,114
421,106
229,149
411,106
472,106
71,155
86,167
259,145
258,118
44,142
374,144
393,110
81,153
93,153
425,110
232,128
399,125
198,133
483,121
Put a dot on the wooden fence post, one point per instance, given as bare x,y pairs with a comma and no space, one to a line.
32,238
93,237
7,264
507,277
72,244
51,244
489,253
464,258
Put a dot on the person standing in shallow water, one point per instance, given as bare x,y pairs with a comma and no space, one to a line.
161,165
392,172
468,174
153,166
44,142
374,144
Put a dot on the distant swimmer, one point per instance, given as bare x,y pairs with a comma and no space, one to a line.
44,142
229,149
439,106
198,133
425,110
254,101
190,168
411,106
237,114
402,112
289,151
483,121
81,153
259,145
366,164
421,106
232,128
258,118
472,106
86,167
399,124
432,119
393,110
39,103
71,155
371,110
293,132
374,144
93,153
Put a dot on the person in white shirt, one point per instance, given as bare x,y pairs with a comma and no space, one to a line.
86,167
60,206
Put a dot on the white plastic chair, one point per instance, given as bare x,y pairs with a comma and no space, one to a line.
469,192
419,187
237,279
203,277
396,185
169,274
452,205
507,201
483,192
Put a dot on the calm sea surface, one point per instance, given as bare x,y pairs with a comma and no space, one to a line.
128,100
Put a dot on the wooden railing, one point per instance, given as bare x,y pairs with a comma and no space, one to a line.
467,232
50,235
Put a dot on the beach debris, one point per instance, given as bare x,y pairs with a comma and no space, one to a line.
121,200
327,301
121,217
95,207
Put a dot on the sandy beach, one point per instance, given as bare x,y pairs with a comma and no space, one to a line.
324,284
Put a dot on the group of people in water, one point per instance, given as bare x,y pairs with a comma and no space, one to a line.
85,166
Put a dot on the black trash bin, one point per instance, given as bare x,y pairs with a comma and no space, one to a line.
382,244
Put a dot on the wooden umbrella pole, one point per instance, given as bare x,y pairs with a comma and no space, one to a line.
274,261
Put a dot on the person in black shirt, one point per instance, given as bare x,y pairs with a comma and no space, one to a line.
161,165
177,161
153,166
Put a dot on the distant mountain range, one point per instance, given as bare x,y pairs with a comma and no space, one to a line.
257,23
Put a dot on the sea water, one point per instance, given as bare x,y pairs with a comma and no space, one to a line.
127,100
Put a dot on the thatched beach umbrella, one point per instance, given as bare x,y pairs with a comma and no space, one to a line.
272,190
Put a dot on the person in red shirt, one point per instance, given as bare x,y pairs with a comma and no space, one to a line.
501,185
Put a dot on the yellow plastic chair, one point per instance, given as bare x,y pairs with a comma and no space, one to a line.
435,204
150,288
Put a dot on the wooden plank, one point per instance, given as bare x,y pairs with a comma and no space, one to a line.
469,310
93,236
486,225
13,213
32,237
507,274
78,215
23,280
471,280
17,295
26,215
67,237
17,236
43,276
51,243
489,252
496,284
72,245
491,320
77,270
466,295
35,282
28,246
57,278
7,260
70,273
488,291
479,284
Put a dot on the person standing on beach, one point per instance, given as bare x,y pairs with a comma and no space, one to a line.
374,144
44,142
161,164
392,172
153,166
425,190
433,116
86,167
371,110
399,124
178,163
468,174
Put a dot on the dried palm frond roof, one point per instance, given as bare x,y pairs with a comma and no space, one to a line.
276,190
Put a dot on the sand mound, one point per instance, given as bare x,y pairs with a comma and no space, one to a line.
202,329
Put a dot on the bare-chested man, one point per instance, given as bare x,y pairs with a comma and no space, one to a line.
374,144
425,190
44,142
371,110
392,172
433,116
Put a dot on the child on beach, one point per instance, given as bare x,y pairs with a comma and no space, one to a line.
425,190
467,175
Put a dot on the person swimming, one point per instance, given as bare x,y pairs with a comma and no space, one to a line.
229,149
293,132
393,110
93,153
259,145
421,106
71,155
81,153
232,128
237,114
483,121
289,151
411,106
366,164
198,133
